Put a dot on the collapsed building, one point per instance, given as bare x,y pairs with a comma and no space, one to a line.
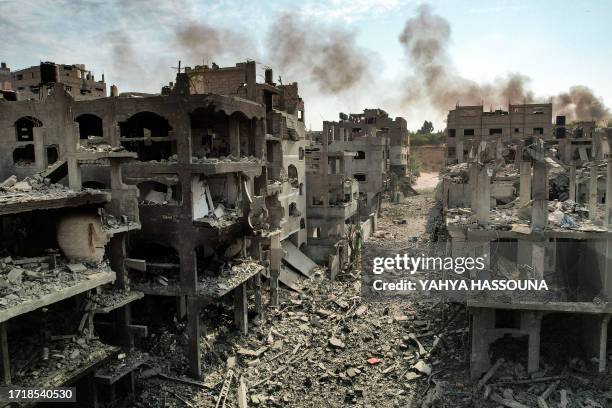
187,199
36,82
381,146
65,309
535,207
467,125
332,198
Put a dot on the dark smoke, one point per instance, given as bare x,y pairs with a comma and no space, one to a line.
327,56
123,53
201,42
579,103
426,38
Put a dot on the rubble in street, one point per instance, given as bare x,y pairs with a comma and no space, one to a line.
201,247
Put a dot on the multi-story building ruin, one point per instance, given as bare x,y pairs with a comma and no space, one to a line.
66,301
207,179
34,82
381,146
524,213
332,198
467,126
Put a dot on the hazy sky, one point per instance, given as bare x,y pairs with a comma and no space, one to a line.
135,43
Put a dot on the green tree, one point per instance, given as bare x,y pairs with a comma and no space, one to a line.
427,128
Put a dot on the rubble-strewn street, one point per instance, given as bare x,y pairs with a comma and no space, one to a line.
324,346
305,204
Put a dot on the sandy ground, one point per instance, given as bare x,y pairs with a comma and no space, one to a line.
426,182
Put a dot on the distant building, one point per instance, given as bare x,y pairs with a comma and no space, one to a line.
34,82
5,77
468,125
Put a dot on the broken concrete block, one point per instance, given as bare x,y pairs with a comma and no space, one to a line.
15,276
336,343
76,267
219,211
422,367
9,182
23,186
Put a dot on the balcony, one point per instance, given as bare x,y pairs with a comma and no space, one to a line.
340,211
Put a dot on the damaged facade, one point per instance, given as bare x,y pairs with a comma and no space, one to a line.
381,146
209,182
35,82
468,125
535,206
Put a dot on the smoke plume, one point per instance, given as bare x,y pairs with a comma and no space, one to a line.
579,103
327,56
201,42
425,39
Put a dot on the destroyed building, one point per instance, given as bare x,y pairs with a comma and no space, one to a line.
36,81
467,125
214,169
381,146
511,210
332,198
65,308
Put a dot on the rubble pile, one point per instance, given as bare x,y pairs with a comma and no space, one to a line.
508,384
110,223
100,148
221,217
30,278
109,298
54,364
458,173
34,188
230,277
213,160
225,159
567,215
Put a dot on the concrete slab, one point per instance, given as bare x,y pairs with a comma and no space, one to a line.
296,258
289,277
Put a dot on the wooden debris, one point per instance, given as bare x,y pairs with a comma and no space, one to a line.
564,402
489,374
242,393
549,390
507,402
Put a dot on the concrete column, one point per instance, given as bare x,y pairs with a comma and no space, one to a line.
603,342
531,322
234,136
258,298
572,181
189,271
538,258
459,151
40,153
74,174
241,319
524,254
482,196
482,320
525,186
607,269
193,337
499,149
539,212
4,351
473,183
608,214
593,191
181,307
276,253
